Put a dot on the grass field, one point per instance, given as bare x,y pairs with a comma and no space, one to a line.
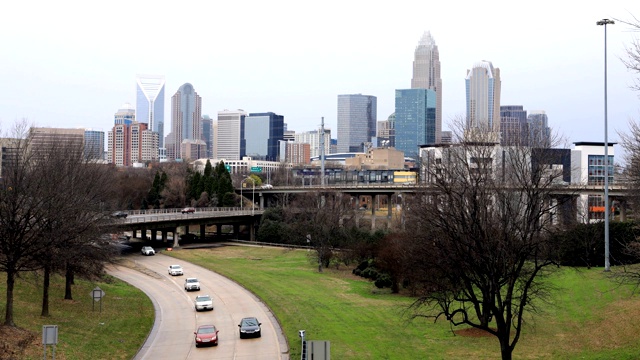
588,317
85,331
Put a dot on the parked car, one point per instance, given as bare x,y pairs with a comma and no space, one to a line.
206,334
147,250
267,186
120,214
188,210
175,270
249,327
203,302
191,284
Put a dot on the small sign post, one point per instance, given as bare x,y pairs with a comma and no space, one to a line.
49,337
97,294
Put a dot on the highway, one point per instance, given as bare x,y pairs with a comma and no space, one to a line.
176,319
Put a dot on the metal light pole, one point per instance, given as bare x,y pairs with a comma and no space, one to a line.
607,265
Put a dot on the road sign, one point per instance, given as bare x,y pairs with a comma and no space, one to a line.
256,169
97,294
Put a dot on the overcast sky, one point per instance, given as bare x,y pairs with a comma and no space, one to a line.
73,63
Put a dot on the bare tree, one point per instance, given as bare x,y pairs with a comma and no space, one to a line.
23,212
481,232
319,218
632,59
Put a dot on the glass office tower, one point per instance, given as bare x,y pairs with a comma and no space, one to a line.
357,120
150,103
415,120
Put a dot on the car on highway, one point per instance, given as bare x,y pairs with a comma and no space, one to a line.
119,215
203,302
249,327
175,270
191,284
147,250
188,210
206,335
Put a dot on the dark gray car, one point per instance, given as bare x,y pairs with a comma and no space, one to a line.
249,327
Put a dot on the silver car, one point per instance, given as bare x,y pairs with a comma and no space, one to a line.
148,250
175,270
191,284
203,302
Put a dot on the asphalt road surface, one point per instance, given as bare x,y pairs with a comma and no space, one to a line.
176,319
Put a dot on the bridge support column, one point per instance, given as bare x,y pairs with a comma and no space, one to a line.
236,230
373,211
261,201
252,231
154,235
164,236
623,210
219,229
202,231
143,234
175,238
389,212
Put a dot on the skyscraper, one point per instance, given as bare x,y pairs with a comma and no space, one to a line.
150,103
94,144
483,96
207,134
415,120
357,115
513,125
229,134
539,129
262,133
186,114
426,74
126,115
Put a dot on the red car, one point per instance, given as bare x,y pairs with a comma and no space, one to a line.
206,335
188,210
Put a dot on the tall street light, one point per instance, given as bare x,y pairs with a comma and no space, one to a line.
607,265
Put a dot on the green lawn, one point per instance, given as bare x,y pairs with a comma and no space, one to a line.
84,330
587,318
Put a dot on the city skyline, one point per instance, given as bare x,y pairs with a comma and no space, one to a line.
549,60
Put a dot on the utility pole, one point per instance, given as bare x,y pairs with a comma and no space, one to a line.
322,152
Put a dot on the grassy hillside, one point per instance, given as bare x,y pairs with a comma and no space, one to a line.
588,317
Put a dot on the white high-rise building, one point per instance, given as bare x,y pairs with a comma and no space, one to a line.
313,139
483,96
426,74
228,134
150,103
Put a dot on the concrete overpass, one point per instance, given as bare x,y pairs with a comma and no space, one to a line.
165,221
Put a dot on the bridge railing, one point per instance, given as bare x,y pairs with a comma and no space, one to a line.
147,216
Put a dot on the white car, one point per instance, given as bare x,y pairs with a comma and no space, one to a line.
203,302
148,250
175,270
191,284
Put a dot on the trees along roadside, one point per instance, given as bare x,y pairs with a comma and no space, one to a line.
48,201
480,239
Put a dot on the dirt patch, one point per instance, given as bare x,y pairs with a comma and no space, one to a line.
472,332
13,342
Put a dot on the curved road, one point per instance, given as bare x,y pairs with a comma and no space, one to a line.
176,319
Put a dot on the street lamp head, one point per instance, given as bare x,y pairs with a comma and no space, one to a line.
605,22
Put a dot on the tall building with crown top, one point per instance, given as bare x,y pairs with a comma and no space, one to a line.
426,75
